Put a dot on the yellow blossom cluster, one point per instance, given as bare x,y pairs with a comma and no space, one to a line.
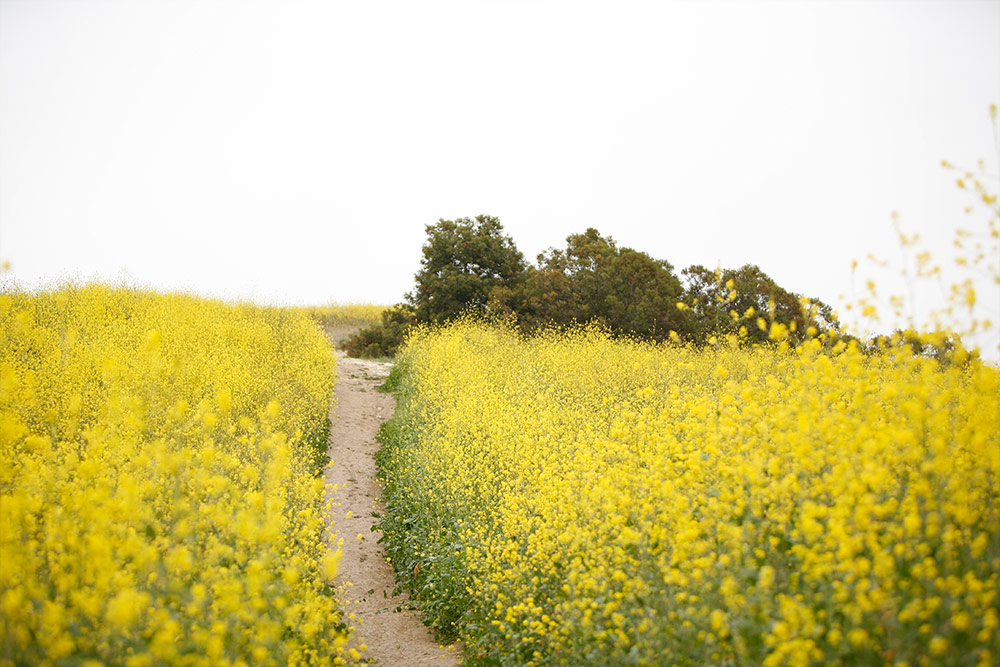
573,499
159,502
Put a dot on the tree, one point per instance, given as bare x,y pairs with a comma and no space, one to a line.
723,301
470,264
595,280
465,262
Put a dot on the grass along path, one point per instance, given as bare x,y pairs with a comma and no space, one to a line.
386,624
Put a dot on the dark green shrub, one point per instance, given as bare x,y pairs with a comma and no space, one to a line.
382,339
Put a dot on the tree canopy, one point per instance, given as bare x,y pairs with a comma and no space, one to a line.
464,260
595,280
471,264
724,300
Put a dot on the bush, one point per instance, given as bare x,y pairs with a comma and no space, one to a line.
382,339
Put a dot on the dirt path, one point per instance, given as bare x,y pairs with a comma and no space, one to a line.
393,633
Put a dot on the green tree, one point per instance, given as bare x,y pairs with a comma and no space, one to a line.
727,300
595,280
465,263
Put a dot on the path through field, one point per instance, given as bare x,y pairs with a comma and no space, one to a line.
393,633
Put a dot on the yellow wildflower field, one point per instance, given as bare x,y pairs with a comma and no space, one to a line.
573,499
159,502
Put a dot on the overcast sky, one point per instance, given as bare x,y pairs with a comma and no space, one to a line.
293,152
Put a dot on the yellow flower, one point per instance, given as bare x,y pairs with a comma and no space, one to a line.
129,518
938,645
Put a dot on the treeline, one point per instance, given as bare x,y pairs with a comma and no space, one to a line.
470,264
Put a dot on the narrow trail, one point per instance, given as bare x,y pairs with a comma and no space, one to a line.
391,631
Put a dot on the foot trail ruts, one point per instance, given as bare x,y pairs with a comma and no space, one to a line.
365,581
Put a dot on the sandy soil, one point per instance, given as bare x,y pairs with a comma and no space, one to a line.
385,623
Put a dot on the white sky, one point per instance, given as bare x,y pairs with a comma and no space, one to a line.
292,152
